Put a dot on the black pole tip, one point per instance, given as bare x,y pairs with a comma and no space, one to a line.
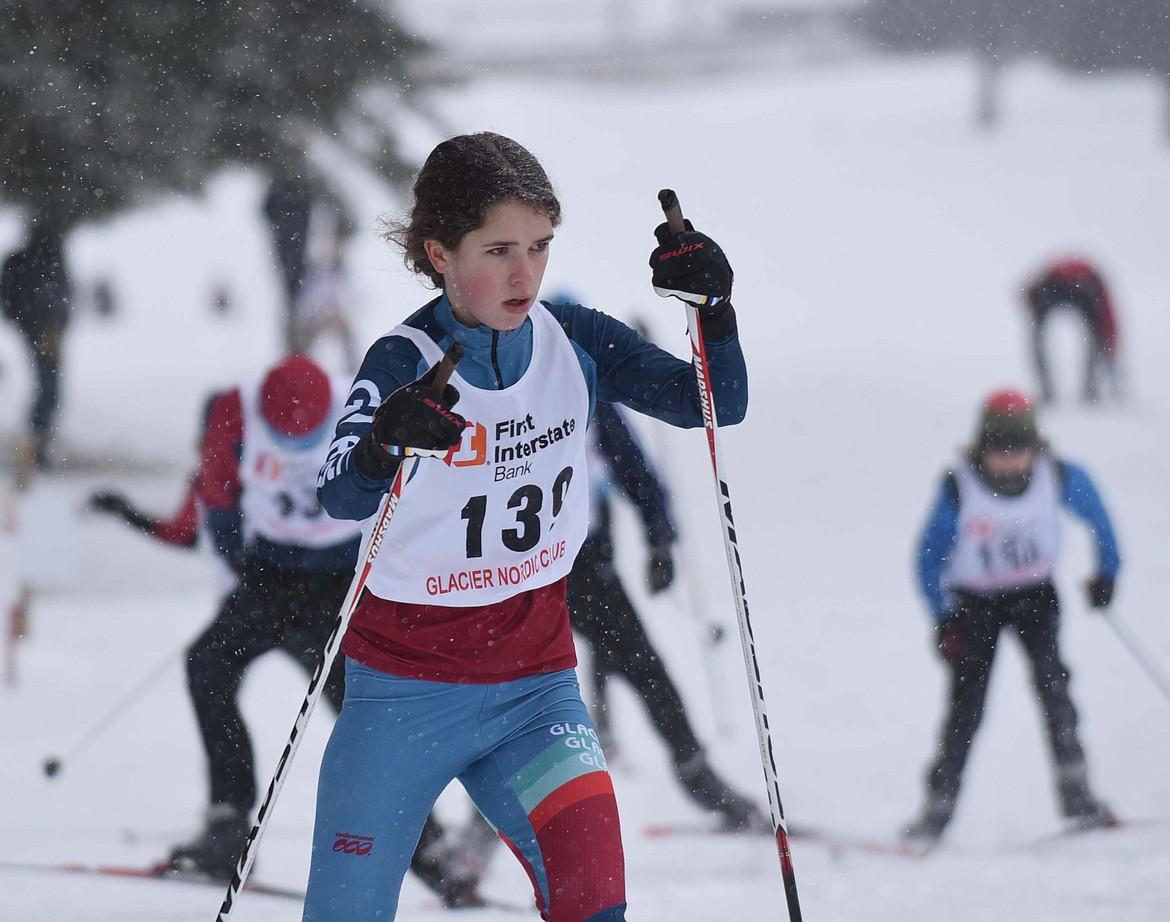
667,199
52,766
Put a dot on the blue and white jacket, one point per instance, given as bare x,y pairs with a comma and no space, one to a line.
1078,494
618,366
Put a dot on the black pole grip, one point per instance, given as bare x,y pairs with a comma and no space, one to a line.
447,364
673,211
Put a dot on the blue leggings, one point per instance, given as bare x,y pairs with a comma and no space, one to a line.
524,750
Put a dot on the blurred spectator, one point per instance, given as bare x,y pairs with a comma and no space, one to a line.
35,295
103,300
287,208
1074,284
324,303
221,299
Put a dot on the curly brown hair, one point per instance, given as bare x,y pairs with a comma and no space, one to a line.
462,178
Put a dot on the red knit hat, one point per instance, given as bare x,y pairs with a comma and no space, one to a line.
1007,421
295,396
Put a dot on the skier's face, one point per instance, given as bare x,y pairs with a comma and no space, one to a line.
492,277
1006,465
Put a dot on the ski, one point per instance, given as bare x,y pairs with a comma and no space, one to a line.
79,461
1072,833
160,872
838,845
834,842
494,905
163,872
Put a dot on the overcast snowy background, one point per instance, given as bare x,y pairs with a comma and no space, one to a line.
879,241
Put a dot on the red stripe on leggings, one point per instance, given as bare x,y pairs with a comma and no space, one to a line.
567,794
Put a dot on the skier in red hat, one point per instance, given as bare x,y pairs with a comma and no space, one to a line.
985,564
254,496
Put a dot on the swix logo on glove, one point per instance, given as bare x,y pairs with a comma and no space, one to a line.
441,410
681,251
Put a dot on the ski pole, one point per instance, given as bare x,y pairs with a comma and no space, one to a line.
1131,643
23,456
53,764
17,628
674,220
369,552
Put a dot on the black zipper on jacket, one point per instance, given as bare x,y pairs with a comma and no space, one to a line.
495,359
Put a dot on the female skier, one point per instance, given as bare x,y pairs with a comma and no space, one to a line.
460,659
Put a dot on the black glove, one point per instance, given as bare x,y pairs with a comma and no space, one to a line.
691,267
949,637
660,567
115,504
1100,591
415,420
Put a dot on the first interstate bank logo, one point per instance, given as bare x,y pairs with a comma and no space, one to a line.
513,444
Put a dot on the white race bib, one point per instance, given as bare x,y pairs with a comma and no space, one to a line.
506,512
1005,542
279,479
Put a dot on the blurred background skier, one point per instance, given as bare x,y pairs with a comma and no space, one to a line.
36,295
183,528
985,563
323,306
287,207
254,495
309,229
1074,285
602,614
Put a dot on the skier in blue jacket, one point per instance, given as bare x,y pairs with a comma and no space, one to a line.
985,563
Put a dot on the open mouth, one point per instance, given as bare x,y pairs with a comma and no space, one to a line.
517,304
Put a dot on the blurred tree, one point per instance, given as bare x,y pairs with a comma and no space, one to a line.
103,101
1084,36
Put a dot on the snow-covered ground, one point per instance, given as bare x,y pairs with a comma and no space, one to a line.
879,241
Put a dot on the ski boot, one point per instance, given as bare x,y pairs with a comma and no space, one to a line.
433,863
455,892
925,832
737,814
1100,817
215,852
473,848
1082,811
